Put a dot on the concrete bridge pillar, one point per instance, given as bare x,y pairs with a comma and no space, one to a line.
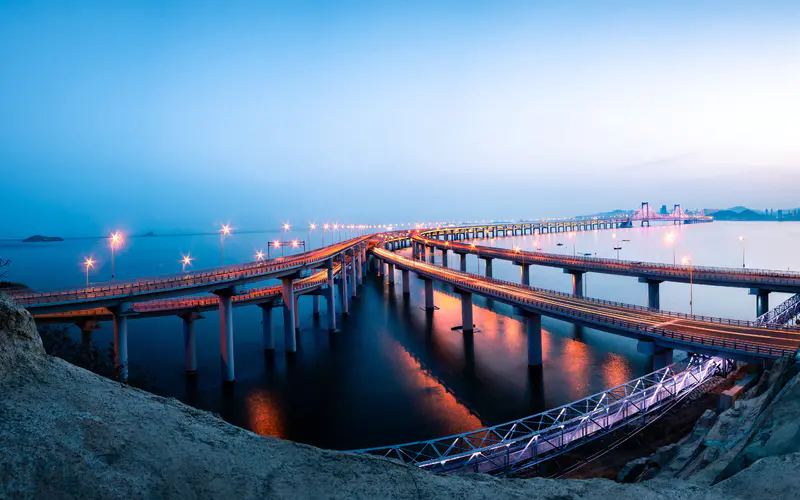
467,325
390,273
315,305
524,273
462,262
660,356
120,345
359,276
289,326
330,296
343,285
353,265
296,311
226,332
653,292
379,266
577,281
487,266
189,342
431,254
266,326
87,327
762,300
533,325
429,305
422,252
406,282
444,257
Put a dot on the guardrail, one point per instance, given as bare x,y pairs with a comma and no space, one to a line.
521,443
474,284
187,280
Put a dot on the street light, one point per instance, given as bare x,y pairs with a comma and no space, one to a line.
277,244
186,260
741,238
617,249
226,230
88,263
311,227
685,261
259,255
116,240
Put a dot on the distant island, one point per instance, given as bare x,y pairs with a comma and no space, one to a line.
38,238
747,214
148,234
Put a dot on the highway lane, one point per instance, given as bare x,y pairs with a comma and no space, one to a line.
614,315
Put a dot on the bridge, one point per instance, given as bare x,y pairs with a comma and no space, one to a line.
123,300
520,444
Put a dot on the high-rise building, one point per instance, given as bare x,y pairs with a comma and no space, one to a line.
663,210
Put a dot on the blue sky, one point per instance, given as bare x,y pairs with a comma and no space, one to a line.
166,115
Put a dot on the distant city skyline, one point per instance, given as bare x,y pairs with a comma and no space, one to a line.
182,116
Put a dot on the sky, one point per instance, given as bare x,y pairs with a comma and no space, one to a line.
182,115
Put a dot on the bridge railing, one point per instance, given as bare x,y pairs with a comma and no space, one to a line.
219,275
471,282
766,276
524,442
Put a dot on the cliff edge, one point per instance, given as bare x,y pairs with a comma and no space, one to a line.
68,433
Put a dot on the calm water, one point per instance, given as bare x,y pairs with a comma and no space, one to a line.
394,373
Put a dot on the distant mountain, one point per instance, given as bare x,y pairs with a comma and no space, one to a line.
38,238
612,213
745,214
739,209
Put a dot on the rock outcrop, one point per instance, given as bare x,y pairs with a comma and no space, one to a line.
68,433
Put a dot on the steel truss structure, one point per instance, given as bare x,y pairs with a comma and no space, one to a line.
783,314
517,445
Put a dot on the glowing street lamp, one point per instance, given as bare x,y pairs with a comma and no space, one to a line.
223,232
115,240
88,263
325,228
335,229
741,238
277,244
311,227
670,240
687,260
259,255
186,260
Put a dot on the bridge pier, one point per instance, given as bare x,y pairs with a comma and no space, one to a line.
406,281
762,300
353,265
429,305
120,345
87,327
330,296
577,281
653,292
444,257
432,255
296,311
462,262
533,325
359,277
467,325
390,273
660,357
343,297
226,331
189,342
488,266
315,305
289,327
266,326
524,273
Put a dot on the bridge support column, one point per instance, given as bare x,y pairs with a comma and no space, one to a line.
429,305
524,273
343,286
488,266
189,342
422,252
390,273
289,327
462,262
762,300
266,326
87,327
330,293
121,346
359,270
653,293
353,265
315,305
296,311
467,325
577,281
533,325
226,333
444,257
660,356
432,254
406,281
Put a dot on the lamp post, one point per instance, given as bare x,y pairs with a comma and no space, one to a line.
617,249
311,227
741,238
226,230
115,239
259,255
186,260
88,263
685,261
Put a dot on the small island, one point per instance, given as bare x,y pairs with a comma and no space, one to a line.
38,238
148,234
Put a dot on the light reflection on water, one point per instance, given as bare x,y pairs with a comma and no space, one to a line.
394,373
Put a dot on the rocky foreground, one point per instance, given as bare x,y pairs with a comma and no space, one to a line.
68,433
